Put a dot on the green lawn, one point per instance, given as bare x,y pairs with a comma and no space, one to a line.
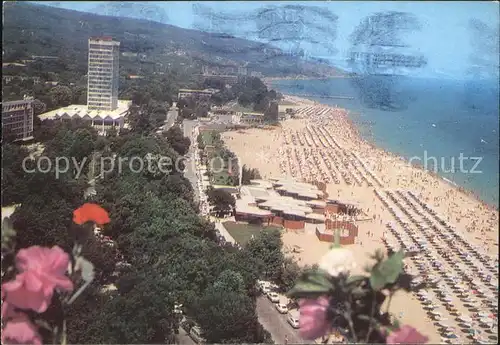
242,233
207,137
222,177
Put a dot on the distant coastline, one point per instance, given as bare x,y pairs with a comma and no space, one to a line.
268,80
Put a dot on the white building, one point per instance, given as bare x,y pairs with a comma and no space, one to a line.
252,118
103,73
197,94
102,120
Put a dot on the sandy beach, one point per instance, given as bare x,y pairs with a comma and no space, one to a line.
323,145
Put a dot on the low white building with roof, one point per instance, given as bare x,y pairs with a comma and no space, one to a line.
267,200
102,120
252,118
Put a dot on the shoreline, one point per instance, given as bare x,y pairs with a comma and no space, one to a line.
319,146
354,127
267,80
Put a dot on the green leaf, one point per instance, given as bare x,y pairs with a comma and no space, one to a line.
354,279
387,272
377,280
311,284
396,324
359,292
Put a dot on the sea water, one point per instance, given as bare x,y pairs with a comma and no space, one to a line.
415,117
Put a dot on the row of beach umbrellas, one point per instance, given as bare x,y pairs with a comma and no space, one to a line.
436,253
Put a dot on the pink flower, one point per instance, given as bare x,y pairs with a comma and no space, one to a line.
9,311
20,331
313,322
42,270
406,335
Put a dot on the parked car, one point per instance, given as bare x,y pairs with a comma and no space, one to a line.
197,335
281,308
293,318
273,297
273,286
266,289
262,284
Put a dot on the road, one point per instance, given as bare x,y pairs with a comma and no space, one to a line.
183,338
171,117
275,323
227,236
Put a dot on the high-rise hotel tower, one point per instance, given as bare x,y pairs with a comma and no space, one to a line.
103,74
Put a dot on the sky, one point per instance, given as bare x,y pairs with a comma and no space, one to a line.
445,39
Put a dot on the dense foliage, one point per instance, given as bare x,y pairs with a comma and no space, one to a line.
173,255
222,164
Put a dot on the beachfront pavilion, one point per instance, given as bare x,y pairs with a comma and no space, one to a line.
245,212
260,202
101,120
349,207
297,190
252,118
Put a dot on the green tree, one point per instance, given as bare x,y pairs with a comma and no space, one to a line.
61,96
249,174
266,246
39,107
138,119
217,99
261,102
201,143
82,145
14,188
226,316
177,140
290,272
222,201
230,280
271,114
142,315
245,100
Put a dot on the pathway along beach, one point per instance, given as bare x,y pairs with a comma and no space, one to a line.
323,145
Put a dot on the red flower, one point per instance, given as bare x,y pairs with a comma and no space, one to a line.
90,213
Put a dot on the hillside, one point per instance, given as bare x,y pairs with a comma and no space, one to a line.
31,29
